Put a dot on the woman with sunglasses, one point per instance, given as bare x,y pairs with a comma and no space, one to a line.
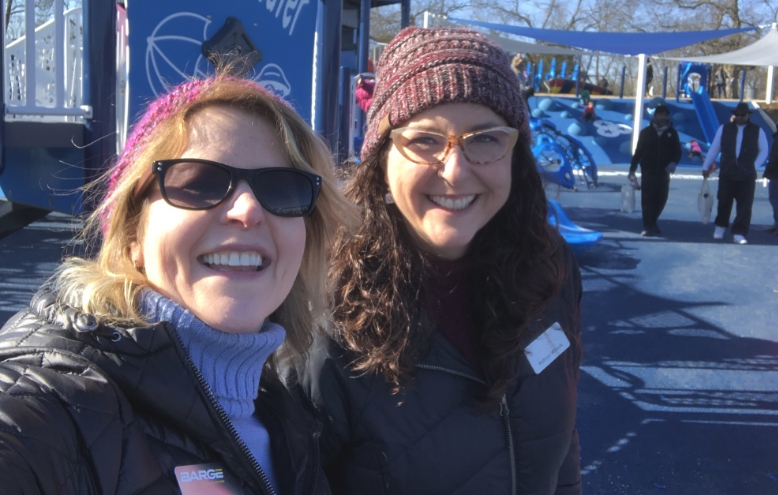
152,366
455,358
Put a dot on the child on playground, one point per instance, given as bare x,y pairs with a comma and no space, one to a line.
365,85
588,113
695,150
585,97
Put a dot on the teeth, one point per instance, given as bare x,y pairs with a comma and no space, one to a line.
453,204
233,259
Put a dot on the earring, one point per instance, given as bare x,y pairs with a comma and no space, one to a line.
389,199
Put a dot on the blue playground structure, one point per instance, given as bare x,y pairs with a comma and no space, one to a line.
72,83
706,113
608,138
694,81
577,237
561,158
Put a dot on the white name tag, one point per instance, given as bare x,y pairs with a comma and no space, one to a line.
544,349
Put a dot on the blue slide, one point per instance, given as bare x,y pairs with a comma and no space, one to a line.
577,237
706,113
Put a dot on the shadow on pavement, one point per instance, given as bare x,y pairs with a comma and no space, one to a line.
610,221
668,401
29,256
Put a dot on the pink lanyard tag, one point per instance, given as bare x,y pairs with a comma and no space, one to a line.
205,479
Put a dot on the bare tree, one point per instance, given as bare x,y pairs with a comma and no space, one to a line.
44,11
385,21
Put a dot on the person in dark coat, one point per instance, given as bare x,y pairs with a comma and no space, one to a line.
153,367
771,174
721,83
658,153
454,359
743,147
649,89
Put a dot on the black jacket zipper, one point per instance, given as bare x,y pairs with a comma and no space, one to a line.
265,485
315,466
503,412
511,451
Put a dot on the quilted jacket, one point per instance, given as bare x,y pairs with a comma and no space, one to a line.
87,408
433,437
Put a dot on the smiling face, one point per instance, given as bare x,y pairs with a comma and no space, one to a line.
446,204
233,265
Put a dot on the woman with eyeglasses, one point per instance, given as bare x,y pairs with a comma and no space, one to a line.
152,367
454,361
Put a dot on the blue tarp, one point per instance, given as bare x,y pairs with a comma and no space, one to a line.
620,43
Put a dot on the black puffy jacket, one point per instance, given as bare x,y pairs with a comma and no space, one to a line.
433,438
654,152
92,409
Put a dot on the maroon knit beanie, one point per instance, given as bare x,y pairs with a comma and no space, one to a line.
422,68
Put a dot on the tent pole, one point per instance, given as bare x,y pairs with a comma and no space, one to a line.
664,83
578,76
678,83
405,14
637,118
770,77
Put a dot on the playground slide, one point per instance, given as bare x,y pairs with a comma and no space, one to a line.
577,237
706,113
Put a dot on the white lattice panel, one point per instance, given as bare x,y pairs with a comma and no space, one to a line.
46,70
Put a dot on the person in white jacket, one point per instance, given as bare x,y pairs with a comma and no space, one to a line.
743,147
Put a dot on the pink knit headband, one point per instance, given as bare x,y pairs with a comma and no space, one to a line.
161,109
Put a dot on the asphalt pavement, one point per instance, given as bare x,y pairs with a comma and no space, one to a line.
679,383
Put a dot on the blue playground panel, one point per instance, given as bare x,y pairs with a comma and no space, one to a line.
709,121
48,178
166,40
577,237
609,137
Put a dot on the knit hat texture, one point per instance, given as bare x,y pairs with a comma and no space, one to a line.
159,110
422,68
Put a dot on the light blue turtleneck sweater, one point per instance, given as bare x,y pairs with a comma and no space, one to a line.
231,364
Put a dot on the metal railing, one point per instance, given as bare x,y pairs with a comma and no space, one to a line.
55,51
376,49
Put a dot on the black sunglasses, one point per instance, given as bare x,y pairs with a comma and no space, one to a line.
741,115
194,184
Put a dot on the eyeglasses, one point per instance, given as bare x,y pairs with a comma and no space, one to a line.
741,115
431,148
194,184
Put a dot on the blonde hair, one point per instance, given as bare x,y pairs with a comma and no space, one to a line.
108,285
516,62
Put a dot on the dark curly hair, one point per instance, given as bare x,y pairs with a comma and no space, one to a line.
380,278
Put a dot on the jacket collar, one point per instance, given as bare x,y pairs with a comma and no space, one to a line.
152,368
443,354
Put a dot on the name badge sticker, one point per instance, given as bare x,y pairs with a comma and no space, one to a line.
205,479
544,349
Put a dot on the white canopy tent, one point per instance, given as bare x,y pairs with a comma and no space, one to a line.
763,52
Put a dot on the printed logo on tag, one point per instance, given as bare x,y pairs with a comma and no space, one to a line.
544,349
205,479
